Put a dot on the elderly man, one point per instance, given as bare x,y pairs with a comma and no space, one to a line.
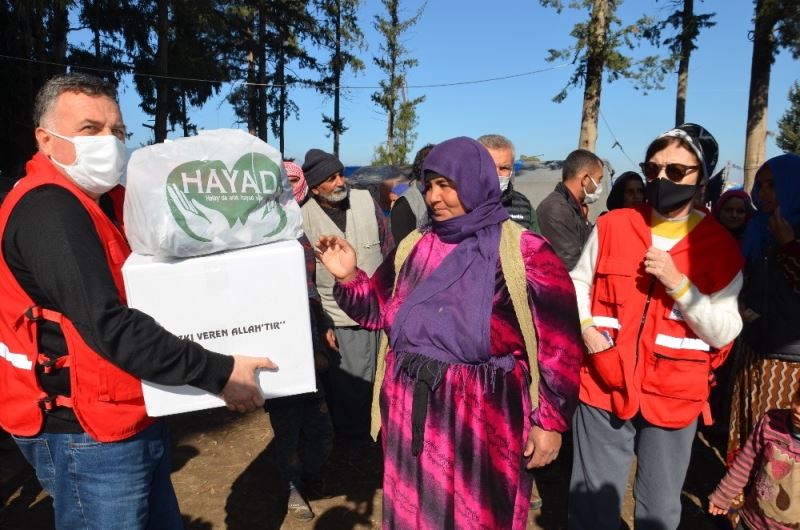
516,204
334,209
71,352
518,207
561,214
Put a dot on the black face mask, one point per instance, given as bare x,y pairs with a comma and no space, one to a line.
666,196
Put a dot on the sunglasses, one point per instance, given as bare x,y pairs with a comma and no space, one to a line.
674,171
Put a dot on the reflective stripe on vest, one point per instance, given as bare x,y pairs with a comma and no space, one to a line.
106,400
678,343
17,360
606,322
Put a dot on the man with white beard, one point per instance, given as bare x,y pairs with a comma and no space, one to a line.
334,209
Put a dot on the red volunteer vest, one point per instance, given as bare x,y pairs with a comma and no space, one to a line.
658,365
107,401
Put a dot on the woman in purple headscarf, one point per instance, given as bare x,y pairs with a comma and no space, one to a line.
458,428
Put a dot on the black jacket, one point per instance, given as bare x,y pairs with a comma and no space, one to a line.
52,248
562,222
768,292
519,209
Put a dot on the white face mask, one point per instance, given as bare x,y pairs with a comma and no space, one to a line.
592,197
99,162
504,182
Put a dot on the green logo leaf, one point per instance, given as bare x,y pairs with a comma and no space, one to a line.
197,191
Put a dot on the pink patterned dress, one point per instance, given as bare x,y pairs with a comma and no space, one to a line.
471,473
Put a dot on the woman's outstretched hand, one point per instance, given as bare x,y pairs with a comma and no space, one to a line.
338,257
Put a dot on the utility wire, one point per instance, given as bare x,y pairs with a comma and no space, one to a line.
617,142
309,84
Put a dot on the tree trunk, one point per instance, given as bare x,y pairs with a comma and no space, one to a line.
184,117
337,78
58,35
40,41
96,31
763,56
162,84
390,116
280,77
262,75
683,66
595,62
25,16
23,144
252,99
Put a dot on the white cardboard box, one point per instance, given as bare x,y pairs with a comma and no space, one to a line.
252,301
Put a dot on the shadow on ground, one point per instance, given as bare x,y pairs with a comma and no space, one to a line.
258,494
705,471
248,493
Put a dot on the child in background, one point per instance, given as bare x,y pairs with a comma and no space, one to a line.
770,463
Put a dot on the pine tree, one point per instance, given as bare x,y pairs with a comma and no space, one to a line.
240,53
395,63
341,35
104,55
176,40
687,26
290,25
36,32
788,138
266,40
405,127
598,49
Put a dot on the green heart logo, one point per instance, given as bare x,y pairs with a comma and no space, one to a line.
199,188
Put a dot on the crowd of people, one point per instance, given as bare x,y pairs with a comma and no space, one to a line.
464,335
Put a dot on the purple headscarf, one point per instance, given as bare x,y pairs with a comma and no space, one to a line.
446,317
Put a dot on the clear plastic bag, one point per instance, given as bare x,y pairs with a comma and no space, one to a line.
220,190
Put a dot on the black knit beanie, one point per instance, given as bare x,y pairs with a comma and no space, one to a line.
319,165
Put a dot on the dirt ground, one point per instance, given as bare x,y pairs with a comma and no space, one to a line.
225,476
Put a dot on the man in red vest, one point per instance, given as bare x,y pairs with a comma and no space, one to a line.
72,353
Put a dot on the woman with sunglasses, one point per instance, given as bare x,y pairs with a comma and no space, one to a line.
770,359
656,287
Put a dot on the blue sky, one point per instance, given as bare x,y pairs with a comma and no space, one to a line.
464,40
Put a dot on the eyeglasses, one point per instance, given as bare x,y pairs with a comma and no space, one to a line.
674,171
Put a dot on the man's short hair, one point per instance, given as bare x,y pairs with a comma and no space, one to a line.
419,159
497,141
577,161
78,83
